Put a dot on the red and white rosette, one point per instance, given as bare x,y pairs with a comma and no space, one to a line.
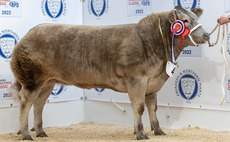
178,27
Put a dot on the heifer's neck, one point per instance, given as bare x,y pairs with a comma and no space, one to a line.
150,34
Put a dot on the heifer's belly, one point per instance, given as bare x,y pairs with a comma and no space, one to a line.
92,79
115,84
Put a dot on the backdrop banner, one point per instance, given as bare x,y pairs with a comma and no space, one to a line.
197,81
16,22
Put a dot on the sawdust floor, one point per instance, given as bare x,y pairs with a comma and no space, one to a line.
88,131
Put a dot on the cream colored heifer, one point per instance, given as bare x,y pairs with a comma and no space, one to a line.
125,58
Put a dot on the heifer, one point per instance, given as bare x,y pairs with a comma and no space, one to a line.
125,58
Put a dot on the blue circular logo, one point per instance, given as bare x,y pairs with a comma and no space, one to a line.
98,7
188,85
54,8
187,4
57,89
8,40
100,89
7,44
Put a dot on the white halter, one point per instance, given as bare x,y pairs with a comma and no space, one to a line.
192,30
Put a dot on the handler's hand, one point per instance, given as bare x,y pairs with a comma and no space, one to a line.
223,19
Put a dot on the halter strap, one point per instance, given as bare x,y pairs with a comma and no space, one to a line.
192,30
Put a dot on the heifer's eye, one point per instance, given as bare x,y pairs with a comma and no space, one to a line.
186,21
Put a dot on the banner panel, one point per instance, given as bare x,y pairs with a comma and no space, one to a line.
6,98
17,21
110,12
197,81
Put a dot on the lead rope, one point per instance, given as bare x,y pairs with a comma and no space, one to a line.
224,53
218,35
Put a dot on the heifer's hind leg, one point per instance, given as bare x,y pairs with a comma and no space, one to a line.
151,103
38,109
27,98
136,91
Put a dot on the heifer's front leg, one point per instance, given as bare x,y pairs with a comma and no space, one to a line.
136,91
38,109
26,98
151,103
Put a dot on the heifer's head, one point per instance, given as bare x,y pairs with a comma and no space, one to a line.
190,17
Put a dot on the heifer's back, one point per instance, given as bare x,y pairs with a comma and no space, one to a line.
79,55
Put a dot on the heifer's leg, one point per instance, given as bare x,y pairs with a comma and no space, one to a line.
151,103
27,98
38,109
136,91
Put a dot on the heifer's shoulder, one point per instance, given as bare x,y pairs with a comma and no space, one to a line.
149,31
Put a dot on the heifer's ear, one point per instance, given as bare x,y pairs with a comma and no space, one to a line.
197,11
172,16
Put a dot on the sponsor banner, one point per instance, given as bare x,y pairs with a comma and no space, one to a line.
65,93
10,8
101,94
5,82
107,12
7,98
139,7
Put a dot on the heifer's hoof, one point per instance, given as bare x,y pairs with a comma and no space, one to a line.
142,137
33,129
27,137
42,134
19,132
160,132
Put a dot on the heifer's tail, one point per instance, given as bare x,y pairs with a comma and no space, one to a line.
15,89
